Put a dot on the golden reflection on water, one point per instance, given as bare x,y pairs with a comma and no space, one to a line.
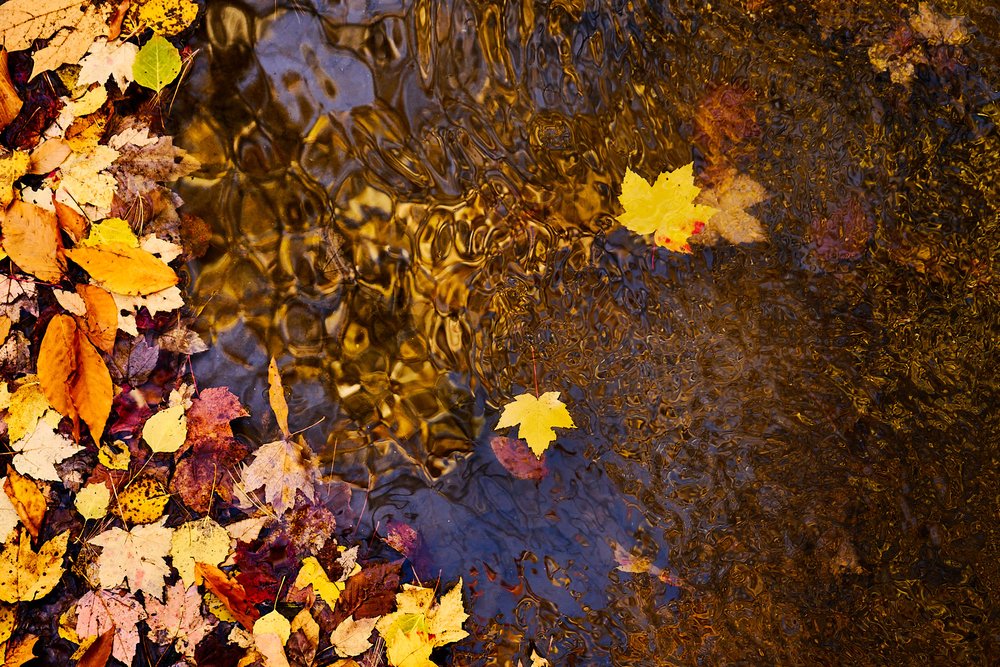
410,198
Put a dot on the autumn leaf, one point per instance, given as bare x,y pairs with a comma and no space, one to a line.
108,60
157,64
137,555
350,638
142,501
178,620
40,450
99,651
27,500
665,209
8,515
164,17
12,166
92,501
270,632
10,100
514,455
276,394
100,322
419,625
166,431
732,223
283,468
202,540
537,418
101,611
31,238
24,21
232,594
27,575
119,268
70,43
73,375
311,573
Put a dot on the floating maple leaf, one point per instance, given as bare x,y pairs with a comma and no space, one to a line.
665,209
732,222
536,418
419,625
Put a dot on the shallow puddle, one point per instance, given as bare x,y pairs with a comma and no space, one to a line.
413,208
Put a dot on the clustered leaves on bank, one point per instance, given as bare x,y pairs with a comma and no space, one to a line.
129,509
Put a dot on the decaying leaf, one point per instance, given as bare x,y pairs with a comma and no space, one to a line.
99,651
665,209
202,540
142,501
101,611
27,575
136,555
8,515
350,638
283,468
536,418
164,17
12,166
178,620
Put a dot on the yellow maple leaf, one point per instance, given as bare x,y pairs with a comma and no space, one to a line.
201,540
418,625
537,418
665,209
27,575
312,574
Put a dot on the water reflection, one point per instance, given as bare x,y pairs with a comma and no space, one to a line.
410,200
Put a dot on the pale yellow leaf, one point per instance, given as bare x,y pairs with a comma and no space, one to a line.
203,541
71,43
136,555
350,638
166,430
270,632
40,450
283,468
92,501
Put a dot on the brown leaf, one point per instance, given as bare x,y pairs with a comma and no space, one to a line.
230,592
202,474
74,377
10,101
209,417
71,42
31,238
48,156
98,653
123,269
101,323
369,593
27,498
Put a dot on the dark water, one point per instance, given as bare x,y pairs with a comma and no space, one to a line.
410,197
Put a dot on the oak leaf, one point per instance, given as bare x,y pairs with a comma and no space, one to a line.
536,417
178,620
122,269
27,499
73,375
100,611
665,209
31,238
27,575
137,555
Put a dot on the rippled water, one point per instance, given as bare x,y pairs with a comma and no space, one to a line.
412,198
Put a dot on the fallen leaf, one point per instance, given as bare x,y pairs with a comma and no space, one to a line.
276,395
166,431
8,516
27,575
146,160
230,592
108,60
536,417
370,593
157,64
27,406
10,101
164,17
311,573
142,501
270,632
31,238
350,638
40,450
124,270
92,501
732,222
86,181
418,625
178,620
20,651
24,21
70,43
101,611
49,156
304,641
99,651
27,499
136,555
73,375
12,166
514,455
70,221
665,209
283,468
108,231
203,541
181,340
100,324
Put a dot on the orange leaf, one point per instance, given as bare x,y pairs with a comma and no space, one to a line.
276,394
101,323
74,377
230,592
98,653
27,499
70,221
31,238
10,101
123,269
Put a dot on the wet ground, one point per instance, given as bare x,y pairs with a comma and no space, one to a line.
411,199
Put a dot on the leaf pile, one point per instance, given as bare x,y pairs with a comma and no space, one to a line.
186,546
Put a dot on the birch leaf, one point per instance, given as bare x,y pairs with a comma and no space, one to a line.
92,501
166,430
157,64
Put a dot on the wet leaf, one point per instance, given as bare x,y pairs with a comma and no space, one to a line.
108,60
92,501
536,418
665,209
39,451
27,575
350,638
31,238
418,625
203,541
230,592
283,468
101,611
178,621
142,501
732,223
166,431
514,455
276,394
122,269
157,64
371,592
137,555
27,499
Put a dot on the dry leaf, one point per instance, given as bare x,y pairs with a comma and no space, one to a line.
350,638
135,554
40,450
71,221
202,541
27,575
49,156
282,468
27,499
101,611
12,167
178,620
124,270
92,501
31,238
10,101
70,43
19,651
73,375
165,17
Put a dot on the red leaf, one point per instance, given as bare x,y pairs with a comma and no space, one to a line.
231,592
518,459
